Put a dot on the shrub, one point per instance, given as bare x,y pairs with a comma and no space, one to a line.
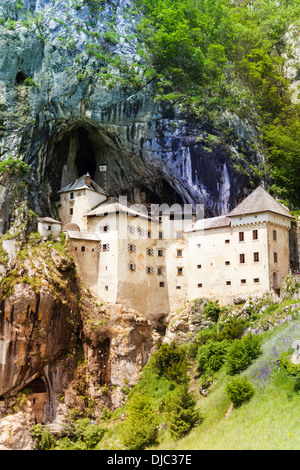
240,390
170,361
242,353
212,310
140,427
43,439
181,410
211,356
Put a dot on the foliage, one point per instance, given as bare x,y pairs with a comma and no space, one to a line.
291,368
182,414
140,427
212,310
211,356
240,390
43,439
170,361
242,353
216,55
13,166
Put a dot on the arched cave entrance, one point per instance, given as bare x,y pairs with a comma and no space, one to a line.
85,160
20,78
36,392
83,148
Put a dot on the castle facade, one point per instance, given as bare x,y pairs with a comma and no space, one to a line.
156,258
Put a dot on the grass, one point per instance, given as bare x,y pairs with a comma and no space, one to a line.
270,421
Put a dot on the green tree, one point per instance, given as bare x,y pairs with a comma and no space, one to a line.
241,353
170,361
140,427
211,356
182,414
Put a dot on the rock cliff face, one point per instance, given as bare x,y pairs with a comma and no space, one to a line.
74,94
59,349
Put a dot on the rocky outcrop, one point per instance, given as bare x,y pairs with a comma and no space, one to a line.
74,93
58,341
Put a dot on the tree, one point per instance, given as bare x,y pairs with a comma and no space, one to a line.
242,353
140,427
182,414
170,361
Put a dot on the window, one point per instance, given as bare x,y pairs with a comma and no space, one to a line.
275,258
149,234
131,267
106,288
227,242
149,270
275,235
49,227
198,245
149,251
161,284
105,247
130,229
241,236
243,281
72,196
256,257
199,266
200,284
242,258
106,228
227,263
254,234
228,283
71,211
178,287
179,253
83,248
159,271
160,235
256,280
179,271
131,248
160,252
178,235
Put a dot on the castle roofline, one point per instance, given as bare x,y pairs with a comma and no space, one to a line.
113,205
259,201
84,182
206,224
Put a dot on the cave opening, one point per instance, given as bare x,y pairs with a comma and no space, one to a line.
85,160
83,148
20,78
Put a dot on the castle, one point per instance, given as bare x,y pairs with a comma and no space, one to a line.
156,258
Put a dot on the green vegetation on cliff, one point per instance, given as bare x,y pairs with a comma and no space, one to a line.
217,55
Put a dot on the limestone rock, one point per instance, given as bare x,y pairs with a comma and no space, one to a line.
78,104
15,432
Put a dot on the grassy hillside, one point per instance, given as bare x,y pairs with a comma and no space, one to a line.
182,402
270,420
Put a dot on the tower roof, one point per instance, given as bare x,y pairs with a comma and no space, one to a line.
84,182
259,201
